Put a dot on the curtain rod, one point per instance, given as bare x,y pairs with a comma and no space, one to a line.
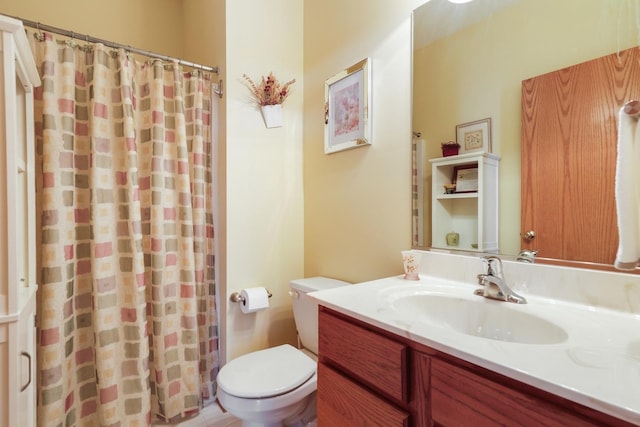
115,45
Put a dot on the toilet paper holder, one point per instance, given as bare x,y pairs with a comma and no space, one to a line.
237,297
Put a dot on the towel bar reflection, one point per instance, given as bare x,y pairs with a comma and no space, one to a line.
237,297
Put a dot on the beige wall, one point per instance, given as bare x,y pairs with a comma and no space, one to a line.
357,203
477,73
260,224
154,25
264,223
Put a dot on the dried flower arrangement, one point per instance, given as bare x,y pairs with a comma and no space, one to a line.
270,91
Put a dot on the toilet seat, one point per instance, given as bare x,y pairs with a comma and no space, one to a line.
266,373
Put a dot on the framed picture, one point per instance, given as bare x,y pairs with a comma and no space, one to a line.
347,116
465,177
474,136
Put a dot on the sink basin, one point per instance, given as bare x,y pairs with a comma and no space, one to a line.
633,350
480,317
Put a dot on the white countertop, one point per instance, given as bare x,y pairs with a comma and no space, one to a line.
598,365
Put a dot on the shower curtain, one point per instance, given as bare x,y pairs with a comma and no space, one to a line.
127,319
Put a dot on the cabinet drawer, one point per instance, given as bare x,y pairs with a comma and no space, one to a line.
373,359
341,402
461,397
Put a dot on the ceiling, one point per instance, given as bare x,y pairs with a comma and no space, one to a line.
437,19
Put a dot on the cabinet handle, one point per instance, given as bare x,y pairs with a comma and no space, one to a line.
28,356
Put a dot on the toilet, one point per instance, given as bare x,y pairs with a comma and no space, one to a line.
277,386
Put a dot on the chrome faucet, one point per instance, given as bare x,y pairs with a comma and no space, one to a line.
494,285
527,255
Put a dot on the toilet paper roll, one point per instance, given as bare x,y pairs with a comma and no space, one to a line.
255,299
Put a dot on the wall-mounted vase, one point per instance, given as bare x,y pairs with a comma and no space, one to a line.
272,115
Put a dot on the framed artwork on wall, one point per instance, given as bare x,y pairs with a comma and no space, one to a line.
474,137
347,114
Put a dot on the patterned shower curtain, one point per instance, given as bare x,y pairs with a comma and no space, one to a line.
127,319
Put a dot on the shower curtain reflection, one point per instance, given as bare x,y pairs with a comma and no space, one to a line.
127,316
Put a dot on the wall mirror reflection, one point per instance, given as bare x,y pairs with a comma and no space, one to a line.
526,65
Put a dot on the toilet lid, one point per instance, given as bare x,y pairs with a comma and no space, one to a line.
266,373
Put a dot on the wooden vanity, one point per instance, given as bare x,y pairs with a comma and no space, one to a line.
371,377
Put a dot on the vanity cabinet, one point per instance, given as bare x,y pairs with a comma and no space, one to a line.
18,77
471,211
369,376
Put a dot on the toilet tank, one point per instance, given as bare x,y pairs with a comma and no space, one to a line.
305,309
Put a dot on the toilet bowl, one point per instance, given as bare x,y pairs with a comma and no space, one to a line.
277,386
266,387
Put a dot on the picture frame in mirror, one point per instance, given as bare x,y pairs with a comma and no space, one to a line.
465,177
474,137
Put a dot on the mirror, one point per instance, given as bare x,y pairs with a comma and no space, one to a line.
469,63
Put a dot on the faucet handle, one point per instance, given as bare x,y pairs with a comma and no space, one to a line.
486,267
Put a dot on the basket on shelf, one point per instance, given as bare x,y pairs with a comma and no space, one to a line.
450,148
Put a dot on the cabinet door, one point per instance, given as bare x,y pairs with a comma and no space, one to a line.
342,402
460,397
26,411
4,373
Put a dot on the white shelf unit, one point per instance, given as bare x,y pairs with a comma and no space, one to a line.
474,215
18,77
